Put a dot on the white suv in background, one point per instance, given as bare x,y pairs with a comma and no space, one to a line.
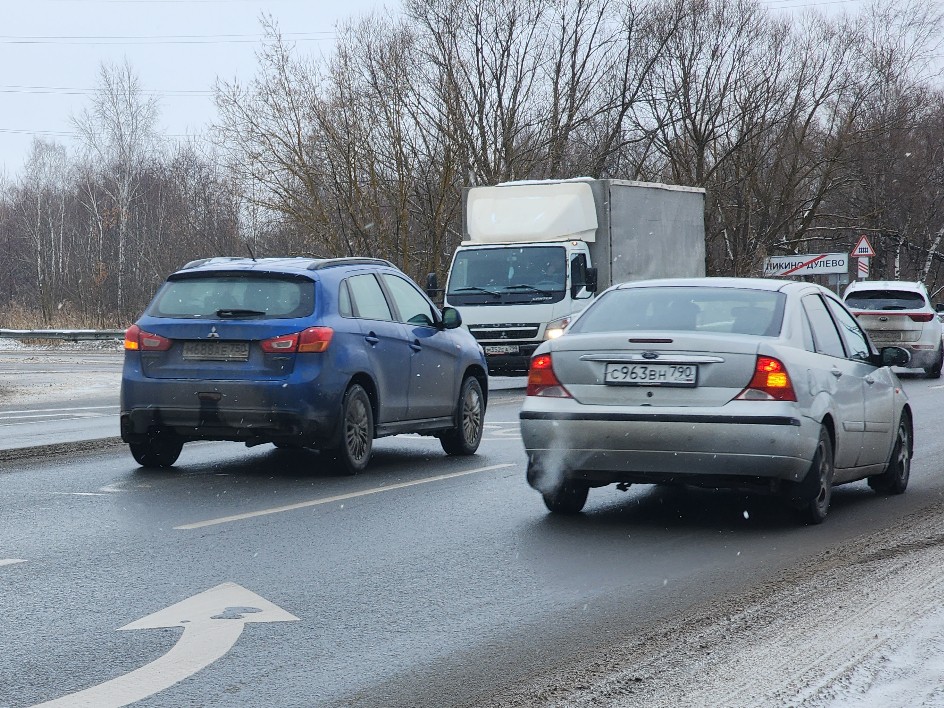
899,313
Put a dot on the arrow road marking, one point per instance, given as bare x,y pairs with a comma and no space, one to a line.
339,497
212,621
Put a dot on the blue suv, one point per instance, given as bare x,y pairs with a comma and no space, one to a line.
298,352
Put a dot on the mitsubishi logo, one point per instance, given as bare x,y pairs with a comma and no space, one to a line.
213,334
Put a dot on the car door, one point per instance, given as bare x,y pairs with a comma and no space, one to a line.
838,377
385,343
434,386
879,389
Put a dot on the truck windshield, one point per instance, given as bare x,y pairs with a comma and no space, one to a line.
508,275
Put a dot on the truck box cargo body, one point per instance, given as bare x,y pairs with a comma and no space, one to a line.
535,253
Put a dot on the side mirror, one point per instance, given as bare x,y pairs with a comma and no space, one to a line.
895,356
592,282
452,319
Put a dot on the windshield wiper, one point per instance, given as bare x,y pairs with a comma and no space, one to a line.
476,288
529,287
237,312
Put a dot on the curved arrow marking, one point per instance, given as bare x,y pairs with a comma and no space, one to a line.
212,621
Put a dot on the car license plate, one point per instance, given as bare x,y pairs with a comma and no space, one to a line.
501,349
651,374
886,335
216,351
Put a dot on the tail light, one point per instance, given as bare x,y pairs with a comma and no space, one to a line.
313,339
771,382
542,381
136,339
923,317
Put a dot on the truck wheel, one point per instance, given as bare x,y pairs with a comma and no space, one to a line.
464,439
566,498
157,450
813,494
357,431
894,480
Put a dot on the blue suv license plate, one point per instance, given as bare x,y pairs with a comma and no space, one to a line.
216,351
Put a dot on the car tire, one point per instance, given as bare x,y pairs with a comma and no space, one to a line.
566,498
813,494
935,371
357,431
894,480
157,450
464,439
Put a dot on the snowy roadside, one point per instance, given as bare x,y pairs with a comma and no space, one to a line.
861,625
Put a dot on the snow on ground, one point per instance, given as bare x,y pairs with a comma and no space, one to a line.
861,626
32,374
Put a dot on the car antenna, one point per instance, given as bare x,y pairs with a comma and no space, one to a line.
249,248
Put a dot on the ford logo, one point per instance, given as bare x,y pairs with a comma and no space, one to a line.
650,355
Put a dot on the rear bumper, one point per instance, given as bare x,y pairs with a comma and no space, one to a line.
669,446
302,412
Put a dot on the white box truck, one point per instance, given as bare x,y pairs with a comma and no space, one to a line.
535,253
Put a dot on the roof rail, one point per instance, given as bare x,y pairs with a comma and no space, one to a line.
204,261
332,262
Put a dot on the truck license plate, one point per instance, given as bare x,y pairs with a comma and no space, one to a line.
651,374
501,349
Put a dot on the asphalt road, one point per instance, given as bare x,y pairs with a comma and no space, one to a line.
426,581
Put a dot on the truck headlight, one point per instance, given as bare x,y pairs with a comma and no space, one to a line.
556,328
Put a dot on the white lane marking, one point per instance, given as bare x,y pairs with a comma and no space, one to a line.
938,386
112,488
339,497
59,410
60,416
80,494
212,621
11,561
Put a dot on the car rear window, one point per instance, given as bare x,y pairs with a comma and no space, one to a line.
885,300
686,309
234,296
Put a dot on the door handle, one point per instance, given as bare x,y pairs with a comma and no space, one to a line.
415,345
836,372
371,338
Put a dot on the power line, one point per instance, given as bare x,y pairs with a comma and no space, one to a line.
71,91
158,39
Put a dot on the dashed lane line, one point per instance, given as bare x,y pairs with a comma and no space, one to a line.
11,561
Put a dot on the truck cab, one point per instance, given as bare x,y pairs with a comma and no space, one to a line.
514,296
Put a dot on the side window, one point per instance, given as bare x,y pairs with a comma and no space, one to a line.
825,337
345,308
367,299
412,307
856,342
578,271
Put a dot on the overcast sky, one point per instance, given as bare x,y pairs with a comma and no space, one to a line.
51,50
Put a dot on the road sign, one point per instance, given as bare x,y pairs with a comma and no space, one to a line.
863,249
806,264
862,269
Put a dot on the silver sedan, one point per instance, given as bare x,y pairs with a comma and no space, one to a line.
720,382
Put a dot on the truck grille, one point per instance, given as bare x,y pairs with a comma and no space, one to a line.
503,332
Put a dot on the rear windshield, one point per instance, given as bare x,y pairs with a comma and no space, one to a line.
885,300
235,297
685,309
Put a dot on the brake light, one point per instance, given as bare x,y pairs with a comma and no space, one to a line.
137,339
542,381
770,382
923,317
313,339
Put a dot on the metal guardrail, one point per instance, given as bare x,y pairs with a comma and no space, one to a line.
67,335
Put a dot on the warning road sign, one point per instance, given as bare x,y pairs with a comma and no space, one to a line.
863,249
